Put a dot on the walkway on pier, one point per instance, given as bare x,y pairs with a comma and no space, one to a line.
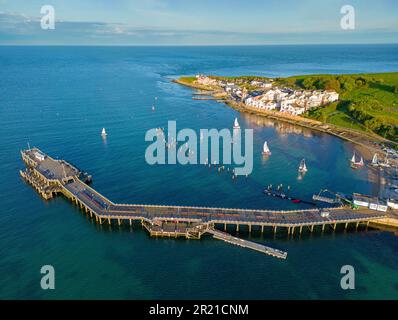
50,177
50,171
247,244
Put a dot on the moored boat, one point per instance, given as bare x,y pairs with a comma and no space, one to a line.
303,167
266,150
154,103
356,164
375,160
236,124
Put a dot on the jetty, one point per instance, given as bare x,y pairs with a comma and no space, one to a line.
50,177
247,244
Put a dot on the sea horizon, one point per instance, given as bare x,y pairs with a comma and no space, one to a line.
199,45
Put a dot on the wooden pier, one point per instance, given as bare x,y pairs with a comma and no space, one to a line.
51,177
247,244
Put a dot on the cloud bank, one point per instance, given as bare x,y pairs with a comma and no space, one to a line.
19,29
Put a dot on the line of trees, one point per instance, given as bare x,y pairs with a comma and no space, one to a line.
338,83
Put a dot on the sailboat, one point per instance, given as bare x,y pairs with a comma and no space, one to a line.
375,160
103,133
236,124
355,164
266,150
353,158
302,167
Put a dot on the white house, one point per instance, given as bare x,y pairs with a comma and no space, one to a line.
261,84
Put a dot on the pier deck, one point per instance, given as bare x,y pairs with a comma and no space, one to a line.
247,244
50,177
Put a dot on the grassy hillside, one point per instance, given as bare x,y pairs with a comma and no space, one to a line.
368,102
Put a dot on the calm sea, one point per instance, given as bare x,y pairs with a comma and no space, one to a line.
59,98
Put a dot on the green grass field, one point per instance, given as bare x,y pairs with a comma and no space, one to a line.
189,80
368,102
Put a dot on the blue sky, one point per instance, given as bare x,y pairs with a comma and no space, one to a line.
193,22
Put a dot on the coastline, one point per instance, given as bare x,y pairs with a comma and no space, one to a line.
363,142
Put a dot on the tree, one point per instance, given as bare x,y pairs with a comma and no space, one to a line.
360,82
332,84
308,83
347,83
319,84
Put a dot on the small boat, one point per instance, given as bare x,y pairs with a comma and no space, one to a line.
353,159
375,160
103,132
302,167
266,150
269,191
236,124
154,103
355,164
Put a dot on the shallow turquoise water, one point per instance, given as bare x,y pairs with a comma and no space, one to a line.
59,98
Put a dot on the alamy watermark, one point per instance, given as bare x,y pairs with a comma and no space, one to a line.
47,21
48,279
347,22
185,147
348,280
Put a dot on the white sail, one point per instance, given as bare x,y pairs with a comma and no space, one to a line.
375,160
353,158
361,163
266,148
303,167
236,124
103,132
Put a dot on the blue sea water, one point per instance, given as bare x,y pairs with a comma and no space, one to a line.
59,98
